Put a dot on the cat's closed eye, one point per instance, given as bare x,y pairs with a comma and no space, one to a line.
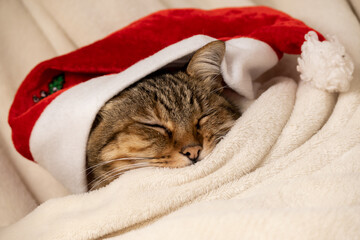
158,127
189,117
205,117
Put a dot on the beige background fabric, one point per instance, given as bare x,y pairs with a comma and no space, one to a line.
35,30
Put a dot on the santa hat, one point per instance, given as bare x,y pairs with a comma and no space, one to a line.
55,106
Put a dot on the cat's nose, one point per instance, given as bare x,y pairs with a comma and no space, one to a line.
192,152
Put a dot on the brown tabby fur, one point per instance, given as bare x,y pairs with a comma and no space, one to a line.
165,120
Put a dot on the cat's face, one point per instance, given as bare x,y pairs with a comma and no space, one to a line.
167,120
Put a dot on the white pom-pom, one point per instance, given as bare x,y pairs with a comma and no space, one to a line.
325,64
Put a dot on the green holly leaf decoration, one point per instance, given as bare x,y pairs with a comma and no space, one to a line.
56,84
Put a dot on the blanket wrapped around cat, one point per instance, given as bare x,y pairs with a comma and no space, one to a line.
287,169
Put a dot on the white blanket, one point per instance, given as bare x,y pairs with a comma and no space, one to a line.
289,169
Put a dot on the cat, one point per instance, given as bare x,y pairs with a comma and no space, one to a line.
170,120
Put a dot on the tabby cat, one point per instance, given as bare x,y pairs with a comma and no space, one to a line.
164,120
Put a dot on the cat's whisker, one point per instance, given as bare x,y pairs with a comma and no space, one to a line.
131,158
218,139
119,159
223,131
104,175
116,172
110,178
92,168
215,76
217,89
220,135
117,169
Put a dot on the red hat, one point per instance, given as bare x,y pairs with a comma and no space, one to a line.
56,104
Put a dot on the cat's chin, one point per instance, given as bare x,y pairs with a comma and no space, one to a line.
177,163
183,161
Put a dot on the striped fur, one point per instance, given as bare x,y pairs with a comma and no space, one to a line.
165,120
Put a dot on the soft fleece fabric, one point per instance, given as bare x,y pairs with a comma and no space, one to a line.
271,177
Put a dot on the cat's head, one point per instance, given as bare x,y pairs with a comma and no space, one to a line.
166,120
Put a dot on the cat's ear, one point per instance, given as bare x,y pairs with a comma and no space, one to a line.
206,62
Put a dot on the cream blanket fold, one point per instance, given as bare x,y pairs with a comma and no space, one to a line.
270,177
